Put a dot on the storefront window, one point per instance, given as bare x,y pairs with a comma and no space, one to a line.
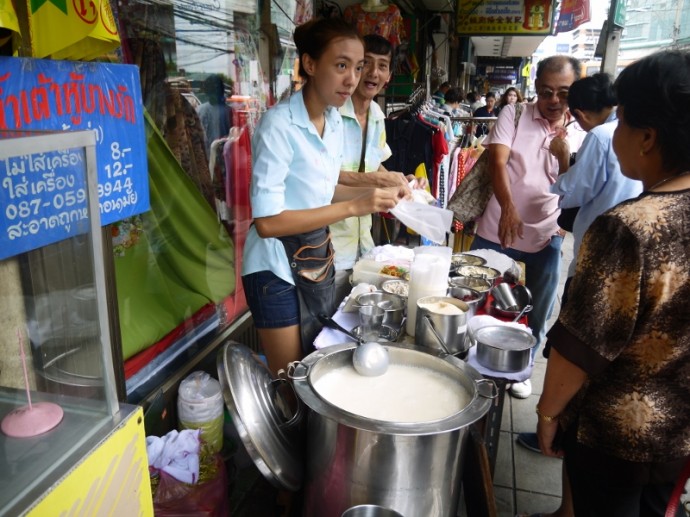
178,266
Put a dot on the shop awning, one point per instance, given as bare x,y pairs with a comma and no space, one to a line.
506,46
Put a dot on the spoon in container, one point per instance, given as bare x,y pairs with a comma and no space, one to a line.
370,358
525,309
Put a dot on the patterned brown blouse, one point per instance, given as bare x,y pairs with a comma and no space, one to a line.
627,324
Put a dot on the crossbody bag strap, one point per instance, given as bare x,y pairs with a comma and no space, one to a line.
518,113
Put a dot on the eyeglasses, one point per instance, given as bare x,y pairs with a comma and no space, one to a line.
548,93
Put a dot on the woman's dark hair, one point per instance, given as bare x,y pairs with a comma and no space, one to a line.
490,95
653,92
504,97
593,93
453,95
314,36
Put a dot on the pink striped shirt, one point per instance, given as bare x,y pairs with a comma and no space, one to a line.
532,169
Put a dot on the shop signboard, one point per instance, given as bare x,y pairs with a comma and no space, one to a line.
505,17
502,75
619,12
38,96
573,14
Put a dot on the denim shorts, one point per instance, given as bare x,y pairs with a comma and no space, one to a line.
272,301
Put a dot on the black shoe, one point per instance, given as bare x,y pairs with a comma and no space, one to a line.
529,441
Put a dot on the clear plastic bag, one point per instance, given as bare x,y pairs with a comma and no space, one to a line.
428,221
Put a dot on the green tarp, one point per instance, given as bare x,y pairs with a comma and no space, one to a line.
173,259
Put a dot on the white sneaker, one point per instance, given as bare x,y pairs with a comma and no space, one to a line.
521,390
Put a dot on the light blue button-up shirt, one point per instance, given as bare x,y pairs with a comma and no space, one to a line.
293,168
595,183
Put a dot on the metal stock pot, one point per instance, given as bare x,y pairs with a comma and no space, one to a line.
412,468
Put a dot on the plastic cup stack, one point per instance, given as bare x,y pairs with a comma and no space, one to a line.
428,277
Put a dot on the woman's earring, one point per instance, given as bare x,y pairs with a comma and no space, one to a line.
642,153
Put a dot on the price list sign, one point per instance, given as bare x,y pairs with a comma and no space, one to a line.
42,208
47,95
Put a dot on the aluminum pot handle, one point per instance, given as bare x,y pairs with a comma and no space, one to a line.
283,378
292,367
487,388
427,321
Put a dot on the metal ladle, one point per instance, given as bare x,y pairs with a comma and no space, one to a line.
369,359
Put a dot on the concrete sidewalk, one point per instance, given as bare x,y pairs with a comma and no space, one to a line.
525,481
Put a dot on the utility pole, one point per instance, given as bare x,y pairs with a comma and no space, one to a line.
676,24
614,31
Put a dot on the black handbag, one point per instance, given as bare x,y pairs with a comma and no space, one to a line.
566,219
311,258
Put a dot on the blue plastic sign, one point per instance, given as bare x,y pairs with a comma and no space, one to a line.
49,207
47,95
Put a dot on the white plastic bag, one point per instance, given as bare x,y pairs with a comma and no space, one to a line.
428,221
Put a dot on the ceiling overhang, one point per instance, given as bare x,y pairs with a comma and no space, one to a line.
506,46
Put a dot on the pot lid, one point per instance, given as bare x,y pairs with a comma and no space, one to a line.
505,337
259,413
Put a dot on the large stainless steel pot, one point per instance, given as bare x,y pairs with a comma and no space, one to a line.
413,468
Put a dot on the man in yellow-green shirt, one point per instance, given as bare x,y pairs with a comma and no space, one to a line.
364,150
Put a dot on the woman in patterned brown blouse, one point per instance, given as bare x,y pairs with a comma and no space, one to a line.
616,398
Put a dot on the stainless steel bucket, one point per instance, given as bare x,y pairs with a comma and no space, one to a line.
444,332
412,468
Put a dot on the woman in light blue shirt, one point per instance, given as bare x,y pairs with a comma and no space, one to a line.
595,182
297,153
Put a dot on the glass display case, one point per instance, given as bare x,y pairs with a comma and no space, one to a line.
54,310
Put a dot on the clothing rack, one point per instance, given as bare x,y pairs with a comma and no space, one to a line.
469,127
417,96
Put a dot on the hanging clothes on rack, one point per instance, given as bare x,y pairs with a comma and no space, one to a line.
419,134
465,150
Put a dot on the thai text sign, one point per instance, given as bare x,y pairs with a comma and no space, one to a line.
39,207
46,95
505,17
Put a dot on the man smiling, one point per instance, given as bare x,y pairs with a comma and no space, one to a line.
520,219
364,150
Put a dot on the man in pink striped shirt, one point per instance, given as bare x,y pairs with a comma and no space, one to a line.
520,219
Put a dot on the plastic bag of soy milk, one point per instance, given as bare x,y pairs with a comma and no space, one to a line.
200,406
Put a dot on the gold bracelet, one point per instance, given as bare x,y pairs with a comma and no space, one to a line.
544,417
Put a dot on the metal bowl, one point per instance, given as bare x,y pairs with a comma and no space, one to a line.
471,297
485,272
392,305
522,295
386,333
478,284
466,259
397,287
496,311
